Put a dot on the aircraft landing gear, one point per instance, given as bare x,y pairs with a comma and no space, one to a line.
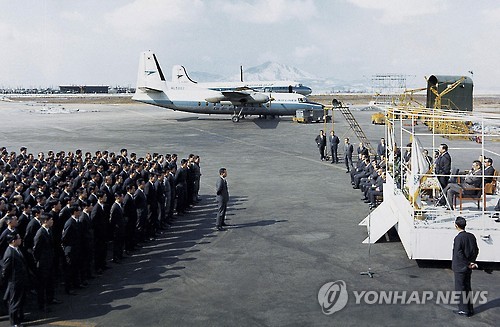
237,116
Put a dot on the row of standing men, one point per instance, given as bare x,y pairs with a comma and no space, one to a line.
68,215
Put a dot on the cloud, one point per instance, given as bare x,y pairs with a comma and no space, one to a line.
268,11
73,16
400,11
146,17
305,52
492,16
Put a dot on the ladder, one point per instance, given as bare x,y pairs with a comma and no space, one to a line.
356,128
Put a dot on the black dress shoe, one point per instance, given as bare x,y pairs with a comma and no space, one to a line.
366,201
224,224
55,301
461,313
220,229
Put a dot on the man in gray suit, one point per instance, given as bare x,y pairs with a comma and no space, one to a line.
222,199
348,150
472,180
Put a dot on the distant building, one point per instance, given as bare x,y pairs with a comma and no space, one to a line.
75,89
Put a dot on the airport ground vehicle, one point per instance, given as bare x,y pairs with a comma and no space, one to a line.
310,115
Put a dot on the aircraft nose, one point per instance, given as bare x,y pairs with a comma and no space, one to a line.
307,90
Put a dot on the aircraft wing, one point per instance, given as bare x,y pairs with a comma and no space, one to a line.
245,97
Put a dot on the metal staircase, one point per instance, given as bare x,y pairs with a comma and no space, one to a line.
355,127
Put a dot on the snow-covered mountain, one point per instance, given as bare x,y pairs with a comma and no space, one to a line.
273,71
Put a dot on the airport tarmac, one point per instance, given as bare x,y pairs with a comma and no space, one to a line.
295,228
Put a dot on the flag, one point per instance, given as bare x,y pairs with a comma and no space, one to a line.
419,167
390,143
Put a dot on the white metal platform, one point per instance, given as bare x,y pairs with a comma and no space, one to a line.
427,231
431,236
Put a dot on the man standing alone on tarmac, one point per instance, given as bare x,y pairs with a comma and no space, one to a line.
348,150
321,142
465,252
334,144
222,199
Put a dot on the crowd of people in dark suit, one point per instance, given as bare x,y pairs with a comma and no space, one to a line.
60,211
368,174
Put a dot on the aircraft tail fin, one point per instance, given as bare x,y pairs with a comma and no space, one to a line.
150,76
180,75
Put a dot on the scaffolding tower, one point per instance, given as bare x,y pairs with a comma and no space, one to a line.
387,88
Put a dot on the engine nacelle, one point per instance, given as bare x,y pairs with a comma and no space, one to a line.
236,98
216,99
257,98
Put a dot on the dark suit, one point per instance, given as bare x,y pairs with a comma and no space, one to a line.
334,144
473,180
22,223
465,251
99,220
488,174
222,200
442,166
71,242
321,143
142,213
381,150
376,191
130,217
152,202
15,273
43,251
181,189
348,150
28,242
160,196
3,239
117,227
87,245
171,181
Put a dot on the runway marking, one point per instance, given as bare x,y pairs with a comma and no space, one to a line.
67,130
72,323
62,323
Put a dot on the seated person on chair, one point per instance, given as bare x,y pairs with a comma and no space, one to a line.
472,180
377,191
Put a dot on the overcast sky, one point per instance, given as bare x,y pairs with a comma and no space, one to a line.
52,42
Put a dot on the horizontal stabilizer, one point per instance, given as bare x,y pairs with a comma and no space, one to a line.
149,89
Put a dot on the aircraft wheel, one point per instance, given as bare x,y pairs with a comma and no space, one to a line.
235,119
